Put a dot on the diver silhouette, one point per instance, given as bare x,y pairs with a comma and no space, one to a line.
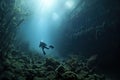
43,46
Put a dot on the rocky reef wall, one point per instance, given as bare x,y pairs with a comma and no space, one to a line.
94,30
10,19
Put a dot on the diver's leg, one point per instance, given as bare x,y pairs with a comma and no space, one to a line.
51,46
43,51
46,47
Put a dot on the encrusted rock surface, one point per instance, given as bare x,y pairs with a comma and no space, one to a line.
25,66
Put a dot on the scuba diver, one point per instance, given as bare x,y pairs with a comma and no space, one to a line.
43,46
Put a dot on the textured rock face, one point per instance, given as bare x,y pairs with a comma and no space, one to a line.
95,29
60,69
52,62
46,69
69,75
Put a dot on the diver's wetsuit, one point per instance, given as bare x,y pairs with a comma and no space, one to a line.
43,46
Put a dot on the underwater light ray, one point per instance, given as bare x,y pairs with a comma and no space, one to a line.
48,4
69,4
45,20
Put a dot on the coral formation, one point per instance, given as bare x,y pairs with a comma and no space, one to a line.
23,66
